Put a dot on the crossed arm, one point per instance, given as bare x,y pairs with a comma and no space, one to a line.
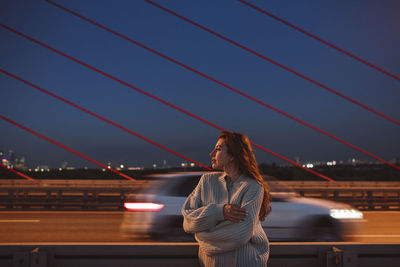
196,217
216,232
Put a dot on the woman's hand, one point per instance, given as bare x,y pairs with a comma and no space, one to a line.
234,213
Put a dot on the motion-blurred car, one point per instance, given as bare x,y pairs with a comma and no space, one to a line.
156,213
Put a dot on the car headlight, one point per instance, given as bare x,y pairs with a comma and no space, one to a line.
346,214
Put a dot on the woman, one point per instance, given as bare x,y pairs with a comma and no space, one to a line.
225,209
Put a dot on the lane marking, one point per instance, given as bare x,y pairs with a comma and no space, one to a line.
19,221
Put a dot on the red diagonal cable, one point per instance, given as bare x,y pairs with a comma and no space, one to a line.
223,84
66,148
158,99
152,96
274,62
319,39
18,173
102,118
188,113
207,122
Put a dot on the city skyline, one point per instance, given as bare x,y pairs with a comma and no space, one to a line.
367,29
13,160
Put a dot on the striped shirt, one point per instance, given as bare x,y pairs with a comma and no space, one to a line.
222,242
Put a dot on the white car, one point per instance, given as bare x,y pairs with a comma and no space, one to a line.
156,213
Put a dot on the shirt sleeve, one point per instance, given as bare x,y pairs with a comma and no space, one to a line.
197,217
227,235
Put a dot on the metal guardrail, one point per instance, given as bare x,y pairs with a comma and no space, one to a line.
362,199
185,254
110,195
340,184
140,183
16,194
72,183
64,198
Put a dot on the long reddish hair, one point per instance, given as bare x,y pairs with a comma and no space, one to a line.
239,147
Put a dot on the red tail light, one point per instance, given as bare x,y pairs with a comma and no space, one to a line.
134,206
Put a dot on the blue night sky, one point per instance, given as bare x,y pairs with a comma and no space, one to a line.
369,29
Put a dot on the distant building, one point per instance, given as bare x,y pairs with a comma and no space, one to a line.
64,164
11,157
20,164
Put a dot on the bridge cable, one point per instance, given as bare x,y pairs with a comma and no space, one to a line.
319,39
158,99
186,112
103,119
133,87
227,86
19,173
66,148
274,62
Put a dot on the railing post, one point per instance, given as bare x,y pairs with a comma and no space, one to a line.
85,199
11,198
59,196
335,195
370,200
48,199
38,258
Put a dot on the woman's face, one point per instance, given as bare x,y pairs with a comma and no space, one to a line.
219,156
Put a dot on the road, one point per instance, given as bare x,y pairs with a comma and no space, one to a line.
80,226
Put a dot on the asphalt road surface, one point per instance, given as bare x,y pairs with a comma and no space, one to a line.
81,226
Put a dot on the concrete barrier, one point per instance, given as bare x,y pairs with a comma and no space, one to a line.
185,254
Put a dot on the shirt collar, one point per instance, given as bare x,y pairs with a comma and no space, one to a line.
224,175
